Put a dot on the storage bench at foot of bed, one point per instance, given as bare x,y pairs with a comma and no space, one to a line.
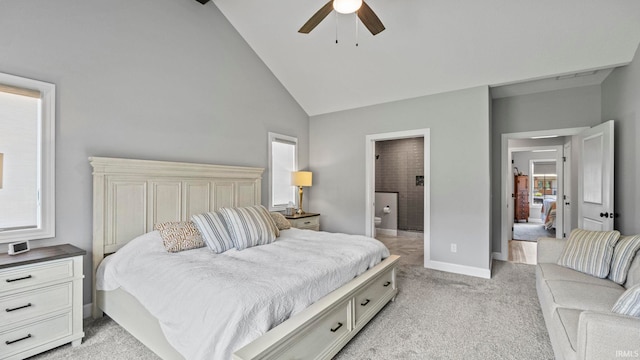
321,330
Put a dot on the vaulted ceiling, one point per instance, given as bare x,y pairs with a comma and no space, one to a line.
432,46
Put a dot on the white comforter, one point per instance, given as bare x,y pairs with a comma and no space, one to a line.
209,305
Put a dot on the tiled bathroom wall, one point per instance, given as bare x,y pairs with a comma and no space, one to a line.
400,168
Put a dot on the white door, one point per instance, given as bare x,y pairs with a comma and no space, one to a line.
566,171
595,178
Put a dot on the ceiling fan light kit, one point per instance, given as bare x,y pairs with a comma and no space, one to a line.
369,18
346,6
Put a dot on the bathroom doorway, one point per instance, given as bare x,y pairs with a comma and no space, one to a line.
398,175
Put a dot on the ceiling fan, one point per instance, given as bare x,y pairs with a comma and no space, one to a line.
365,13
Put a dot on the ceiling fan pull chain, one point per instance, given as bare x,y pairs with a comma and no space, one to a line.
356,28
335,17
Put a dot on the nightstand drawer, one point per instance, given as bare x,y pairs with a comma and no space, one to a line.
34,303
311,222
30,275
41,332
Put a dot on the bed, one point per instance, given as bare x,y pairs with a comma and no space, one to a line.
132,195
548,212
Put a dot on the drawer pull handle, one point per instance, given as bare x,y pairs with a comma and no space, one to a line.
365,302
15,341
387,284
337,327
307,222
18,279
19,307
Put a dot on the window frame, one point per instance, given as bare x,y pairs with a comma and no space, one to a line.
274,137
46,169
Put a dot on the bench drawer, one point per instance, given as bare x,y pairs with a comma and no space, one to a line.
367,299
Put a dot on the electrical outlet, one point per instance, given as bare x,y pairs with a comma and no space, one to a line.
454,248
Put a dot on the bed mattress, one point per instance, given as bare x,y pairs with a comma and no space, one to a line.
209,305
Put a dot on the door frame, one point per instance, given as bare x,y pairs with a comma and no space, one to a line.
505,179
370,166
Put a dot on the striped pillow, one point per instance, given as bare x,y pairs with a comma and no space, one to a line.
250,226
629,302
214,231
623,255
179,235
589,252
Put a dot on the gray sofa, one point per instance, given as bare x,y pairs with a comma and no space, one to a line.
577,309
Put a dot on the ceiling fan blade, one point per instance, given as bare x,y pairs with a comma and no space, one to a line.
317,18
370,19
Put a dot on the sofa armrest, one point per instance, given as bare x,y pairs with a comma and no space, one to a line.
549,249
608,336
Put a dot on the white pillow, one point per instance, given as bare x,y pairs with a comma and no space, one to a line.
250,226
214,231
623,255
629,302
589,252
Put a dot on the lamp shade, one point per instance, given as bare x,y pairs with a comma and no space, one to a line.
301,178
347,6
1,167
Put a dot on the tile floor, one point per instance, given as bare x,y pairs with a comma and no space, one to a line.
409,246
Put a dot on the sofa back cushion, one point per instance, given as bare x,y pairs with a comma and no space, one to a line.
623,253
633,276
589,252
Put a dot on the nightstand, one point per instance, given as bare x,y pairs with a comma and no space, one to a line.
41,300
308,221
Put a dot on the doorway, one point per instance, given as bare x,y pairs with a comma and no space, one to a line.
423,180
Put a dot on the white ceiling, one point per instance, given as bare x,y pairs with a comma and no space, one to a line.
432,46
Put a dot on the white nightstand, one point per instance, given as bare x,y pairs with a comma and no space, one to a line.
40,300
308,221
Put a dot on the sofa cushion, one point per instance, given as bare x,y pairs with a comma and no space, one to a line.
589,251
629,302
570,318
623,254
585,296
556,272
633,276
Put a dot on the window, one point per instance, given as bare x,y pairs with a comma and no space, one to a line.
27,134
283,160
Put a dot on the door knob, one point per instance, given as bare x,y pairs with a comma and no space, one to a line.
605,215
566,203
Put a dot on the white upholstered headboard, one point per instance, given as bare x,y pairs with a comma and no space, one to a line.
130,196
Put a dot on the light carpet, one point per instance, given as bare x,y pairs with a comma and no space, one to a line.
531,231
436,315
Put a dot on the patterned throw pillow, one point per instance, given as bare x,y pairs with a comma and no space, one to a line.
179,236
281,222
623,254
629,302
214,231
589,252
250,226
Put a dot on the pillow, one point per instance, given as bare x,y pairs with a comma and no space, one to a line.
214,231
179,236
623,254
589,252
281,222
629,302
250,226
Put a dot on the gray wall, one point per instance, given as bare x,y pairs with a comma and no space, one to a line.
398,162
621,102
458,178
149,79
559,109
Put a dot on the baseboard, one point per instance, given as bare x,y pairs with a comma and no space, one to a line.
458,269
388,232
499,256
86,310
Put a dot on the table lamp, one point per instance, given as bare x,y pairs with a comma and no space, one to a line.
300,179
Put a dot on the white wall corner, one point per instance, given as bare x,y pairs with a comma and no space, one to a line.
458,269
